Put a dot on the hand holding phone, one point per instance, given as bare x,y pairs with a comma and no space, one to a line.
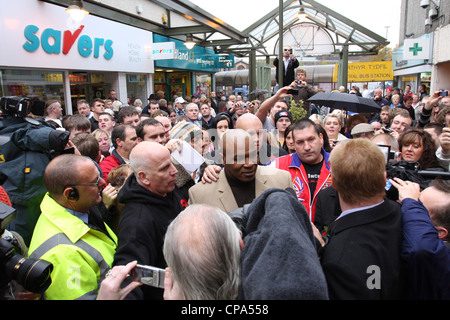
148,275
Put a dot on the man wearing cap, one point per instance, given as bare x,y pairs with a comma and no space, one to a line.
179,106
151,99
363,130
283,119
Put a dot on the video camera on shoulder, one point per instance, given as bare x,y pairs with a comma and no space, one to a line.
32,274
21,107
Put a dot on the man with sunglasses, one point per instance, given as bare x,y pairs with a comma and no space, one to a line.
290,63
70,233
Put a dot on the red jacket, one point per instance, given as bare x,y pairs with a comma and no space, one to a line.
292,163
110,162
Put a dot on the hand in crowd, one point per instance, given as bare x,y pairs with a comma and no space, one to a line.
110,288
109,195
406,189
434,100
174,144
317,234
332,143
444,140
282,93
295,84
71,145
211,173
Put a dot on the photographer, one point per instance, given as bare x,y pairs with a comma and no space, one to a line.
20,279
425,247
305,90
27,146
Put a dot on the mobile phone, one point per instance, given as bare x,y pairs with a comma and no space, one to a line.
443,94
290,51
386,130
292,91
148,275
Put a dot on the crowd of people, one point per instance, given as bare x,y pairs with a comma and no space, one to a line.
223,193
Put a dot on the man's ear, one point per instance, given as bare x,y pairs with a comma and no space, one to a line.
142,177
442,232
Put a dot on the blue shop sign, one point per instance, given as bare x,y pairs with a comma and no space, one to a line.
196,59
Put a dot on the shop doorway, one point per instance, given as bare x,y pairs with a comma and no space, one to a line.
87,86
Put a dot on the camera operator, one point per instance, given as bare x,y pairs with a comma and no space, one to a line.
20,278
305,90
27,145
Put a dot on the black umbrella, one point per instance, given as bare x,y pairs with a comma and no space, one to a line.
345,101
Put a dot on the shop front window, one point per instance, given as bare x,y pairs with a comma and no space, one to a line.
35,84
137,88
203,84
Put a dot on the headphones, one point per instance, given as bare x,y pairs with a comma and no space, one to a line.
73,195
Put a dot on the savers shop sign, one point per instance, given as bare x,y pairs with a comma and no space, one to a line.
37,34
56,42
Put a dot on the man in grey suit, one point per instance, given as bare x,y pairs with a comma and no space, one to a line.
242,179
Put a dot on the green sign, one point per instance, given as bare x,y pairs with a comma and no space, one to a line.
415,49
197,59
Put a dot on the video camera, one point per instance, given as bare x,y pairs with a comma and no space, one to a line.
409,171
21,107
32,274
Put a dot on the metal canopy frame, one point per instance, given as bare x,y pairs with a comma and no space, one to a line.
344,32
210,31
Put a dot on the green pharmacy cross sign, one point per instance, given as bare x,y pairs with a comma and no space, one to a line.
415,49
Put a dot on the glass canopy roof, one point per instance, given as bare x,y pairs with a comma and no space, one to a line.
263,35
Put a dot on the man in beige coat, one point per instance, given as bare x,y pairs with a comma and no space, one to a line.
242,179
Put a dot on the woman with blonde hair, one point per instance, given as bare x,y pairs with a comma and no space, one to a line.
104,142
333,124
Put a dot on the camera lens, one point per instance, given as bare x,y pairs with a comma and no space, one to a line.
32,274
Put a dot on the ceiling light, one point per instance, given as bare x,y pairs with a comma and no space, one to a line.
190,43
302,15
76,10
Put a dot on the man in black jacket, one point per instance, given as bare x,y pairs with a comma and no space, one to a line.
289,63
362,257
151,201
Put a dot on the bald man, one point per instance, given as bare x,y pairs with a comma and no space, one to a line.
242,179
266,152
68,234
151,201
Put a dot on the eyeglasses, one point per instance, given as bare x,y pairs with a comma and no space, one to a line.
96,183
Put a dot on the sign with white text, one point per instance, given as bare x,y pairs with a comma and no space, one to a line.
36,34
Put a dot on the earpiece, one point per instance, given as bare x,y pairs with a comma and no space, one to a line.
73,195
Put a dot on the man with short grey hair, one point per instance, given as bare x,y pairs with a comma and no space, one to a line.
202,242
152,201
191,111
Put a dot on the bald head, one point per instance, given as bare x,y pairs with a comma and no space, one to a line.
146,154
62,171
249,121
252,125
153,167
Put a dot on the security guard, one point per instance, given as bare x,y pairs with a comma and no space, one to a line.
70,233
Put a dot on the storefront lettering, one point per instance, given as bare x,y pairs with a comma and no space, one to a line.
50,41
